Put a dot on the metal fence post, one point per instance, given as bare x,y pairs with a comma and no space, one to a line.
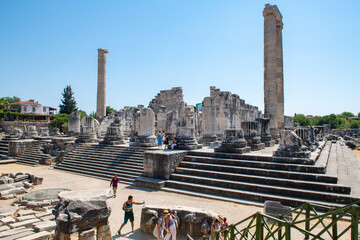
307,223
259,227
334,227
354,222
287,231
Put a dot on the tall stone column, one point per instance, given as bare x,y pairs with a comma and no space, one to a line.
279,76
101,89
273,69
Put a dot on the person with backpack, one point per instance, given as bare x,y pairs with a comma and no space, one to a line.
129,214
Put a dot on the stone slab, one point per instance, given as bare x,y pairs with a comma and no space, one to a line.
25,233
25,212
7,220
4,228
44,214
154,183
24,218
12,232
48,218
44,226
6,211
27,223
37,236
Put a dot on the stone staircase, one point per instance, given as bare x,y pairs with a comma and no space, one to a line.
4,147
32,156
104,161
254,179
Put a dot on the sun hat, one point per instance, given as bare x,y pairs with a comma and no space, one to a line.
165,212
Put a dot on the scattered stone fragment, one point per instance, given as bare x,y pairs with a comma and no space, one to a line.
24,218
274,209
19,190
21,177
28,185
48,218
4,228
6,211
27,223
7,220
25,212
44,214
24,233
9,196
44,226
12,232
10,186
37,236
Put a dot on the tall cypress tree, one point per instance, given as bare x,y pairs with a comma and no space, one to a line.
68,102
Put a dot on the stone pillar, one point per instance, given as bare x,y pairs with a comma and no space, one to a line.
273,69
74,124
145,127
101,89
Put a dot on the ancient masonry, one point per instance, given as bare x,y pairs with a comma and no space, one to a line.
273,69
101,90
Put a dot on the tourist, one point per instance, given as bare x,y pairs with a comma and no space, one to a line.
174,143
114,184
223,226
129,214
158,230
170,225
166,142
215,227
159,138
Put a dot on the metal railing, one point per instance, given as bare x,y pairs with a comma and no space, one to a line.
306,221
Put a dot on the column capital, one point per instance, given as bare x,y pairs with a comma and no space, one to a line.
272,10
102,50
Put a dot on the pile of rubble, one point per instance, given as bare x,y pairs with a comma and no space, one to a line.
30,217
13,184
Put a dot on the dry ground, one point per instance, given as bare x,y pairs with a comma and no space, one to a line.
357,153
58,179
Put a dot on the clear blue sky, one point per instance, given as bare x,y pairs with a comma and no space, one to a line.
158,44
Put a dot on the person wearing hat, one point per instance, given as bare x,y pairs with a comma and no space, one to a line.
216,226
170,225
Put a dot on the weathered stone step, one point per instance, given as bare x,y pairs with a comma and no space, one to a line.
105,167
107,176
235,200
256,164
247,157
261,172
108,156
122,173
325,187
110,148
246,195
261,188
94,156
102,163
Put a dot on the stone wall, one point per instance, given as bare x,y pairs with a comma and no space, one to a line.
9,126
224,110
288,122
343,132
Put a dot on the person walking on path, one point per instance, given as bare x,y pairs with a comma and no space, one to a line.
170,225
114,184
129,214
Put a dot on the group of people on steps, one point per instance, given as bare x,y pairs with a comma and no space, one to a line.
163,140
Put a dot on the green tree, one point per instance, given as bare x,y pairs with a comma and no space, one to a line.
302,120
355,124
109,109
13,99
60,121
347,114
92,114
68,102
82,114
